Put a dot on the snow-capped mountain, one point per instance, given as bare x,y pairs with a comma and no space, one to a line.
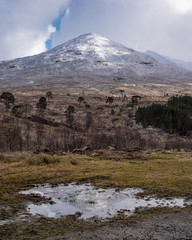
183,64
89,55
160,58
171,61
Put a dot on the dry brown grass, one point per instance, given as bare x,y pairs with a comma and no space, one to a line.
2,157
74,162
163,174
25,159
42,159
13,157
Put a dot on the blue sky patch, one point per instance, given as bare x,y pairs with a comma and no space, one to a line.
57,24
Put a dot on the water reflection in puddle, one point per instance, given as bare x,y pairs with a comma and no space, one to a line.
93,202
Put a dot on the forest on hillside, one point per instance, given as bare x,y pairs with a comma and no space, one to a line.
173,117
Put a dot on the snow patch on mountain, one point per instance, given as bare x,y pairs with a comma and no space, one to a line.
91,55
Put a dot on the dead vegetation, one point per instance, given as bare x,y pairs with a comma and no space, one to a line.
42,159
100,126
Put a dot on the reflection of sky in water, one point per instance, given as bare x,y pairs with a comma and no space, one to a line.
91,201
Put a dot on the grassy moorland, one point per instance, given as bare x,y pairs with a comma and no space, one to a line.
164,174
101,125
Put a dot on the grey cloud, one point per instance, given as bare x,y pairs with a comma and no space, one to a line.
26,25
138,24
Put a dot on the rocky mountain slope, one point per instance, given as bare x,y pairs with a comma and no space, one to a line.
88,58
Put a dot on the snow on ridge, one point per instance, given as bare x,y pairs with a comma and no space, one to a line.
160,58
171,61
94,47
95,54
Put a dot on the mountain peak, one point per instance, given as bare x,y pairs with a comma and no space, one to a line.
93,47
91,36
91,55
90,39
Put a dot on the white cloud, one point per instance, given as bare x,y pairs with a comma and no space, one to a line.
139,24
25,42
181,6
67,13
26,26
163,26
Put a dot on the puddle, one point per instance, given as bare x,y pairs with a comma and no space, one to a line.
93,202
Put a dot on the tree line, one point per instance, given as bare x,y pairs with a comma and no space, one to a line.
173,117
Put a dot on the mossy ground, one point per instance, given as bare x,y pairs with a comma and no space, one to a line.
163,174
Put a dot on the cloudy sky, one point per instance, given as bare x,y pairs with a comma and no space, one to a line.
28,27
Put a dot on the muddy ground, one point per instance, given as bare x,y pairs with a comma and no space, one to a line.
164,227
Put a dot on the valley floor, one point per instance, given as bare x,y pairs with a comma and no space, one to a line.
164,174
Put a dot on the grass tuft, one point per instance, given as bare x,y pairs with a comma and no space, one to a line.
42,159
